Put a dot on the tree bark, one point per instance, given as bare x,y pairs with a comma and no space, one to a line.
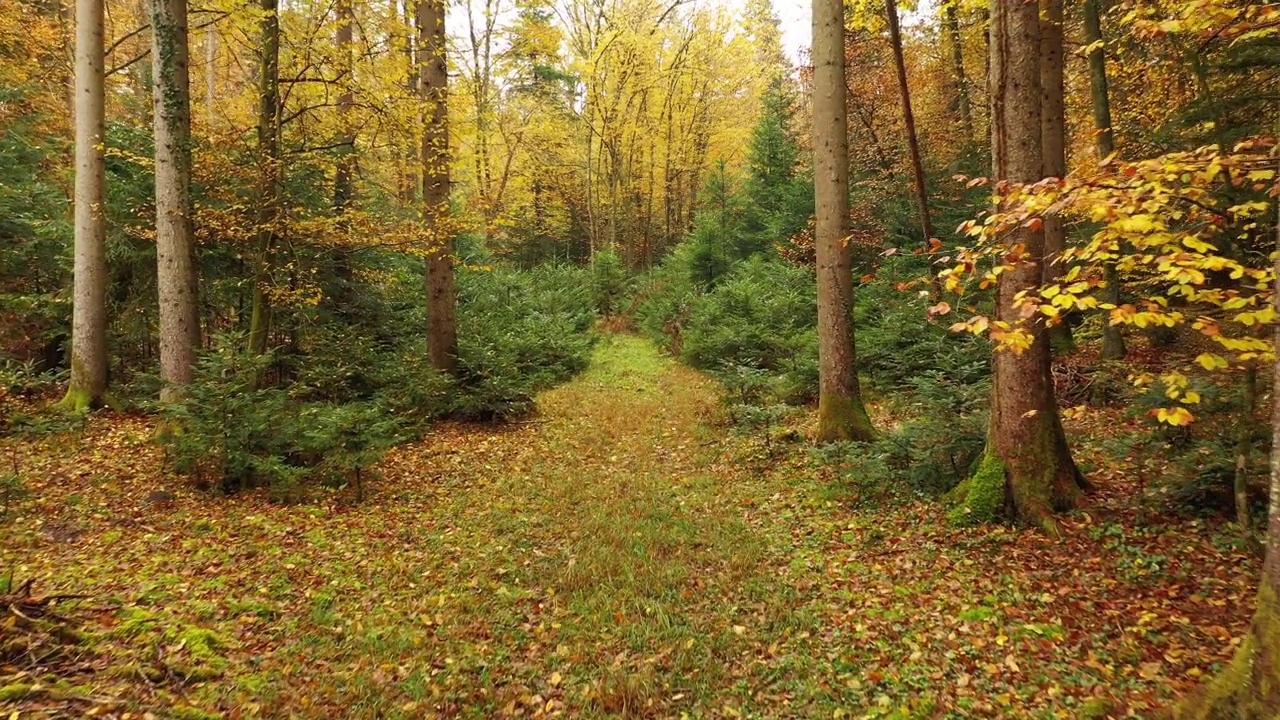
176,275
409,178
210,72
1249,688
1027,470
963,104
433,86
913,143
269,172
841,414
89,303
344,173
1244,446
1112,338
1053,122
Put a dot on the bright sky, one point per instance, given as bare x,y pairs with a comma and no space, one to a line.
797,24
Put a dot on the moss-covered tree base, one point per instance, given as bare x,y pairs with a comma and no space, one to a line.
1248,688
843,418
981,497
78,401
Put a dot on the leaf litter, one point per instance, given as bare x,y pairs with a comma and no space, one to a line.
616,557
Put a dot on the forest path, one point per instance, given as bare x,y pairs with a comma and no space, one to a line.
616,555
607,552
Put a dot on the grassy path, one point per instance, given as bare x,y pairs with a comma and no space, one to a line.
613,556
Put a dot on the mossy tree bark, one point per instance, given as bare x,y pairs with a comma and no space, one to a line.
89,294
269,169
176,276
1112,339
1025,438
841,414
1053,121
433,87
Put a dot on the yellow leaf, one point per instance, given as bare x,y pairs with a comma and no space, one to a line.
1209,361
1174,416
1191,397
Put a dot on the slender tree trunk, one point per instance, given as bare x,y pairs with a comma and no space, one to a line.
269,170
841,414
913,143
433,85
409,179
210,72
67,18
1027,469
1112,338
89,303
176,276
1244,446
344,173
1249,688
963,104
1053,120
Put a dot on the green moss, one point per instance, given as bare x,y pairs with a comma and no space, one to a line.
1095,708
980,498
843,418
1249,687
135,621
15,691
977,613
77,401
203,646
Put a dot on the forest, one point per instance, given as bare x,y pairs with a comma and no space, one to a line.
916,359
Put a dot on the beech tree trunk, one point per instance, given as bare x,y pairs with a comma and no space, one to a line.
269,172
1027,471
1249,688
1112,338
841,414
1053,121
176,279
433,86
89,301
913,143
951,17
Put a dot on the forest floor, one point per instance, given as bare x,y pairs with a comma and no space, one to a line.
616,555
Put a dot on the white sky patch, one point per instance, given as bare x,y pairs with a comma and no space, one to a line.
796,20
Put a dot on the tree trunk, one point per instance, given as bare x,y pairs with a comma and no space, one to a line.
841,414
433,86
963,104
210,72
1249,688
1053,121
1244,446
89,303
913,143
344,173
1027,470
176,278
269,172
1112,338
